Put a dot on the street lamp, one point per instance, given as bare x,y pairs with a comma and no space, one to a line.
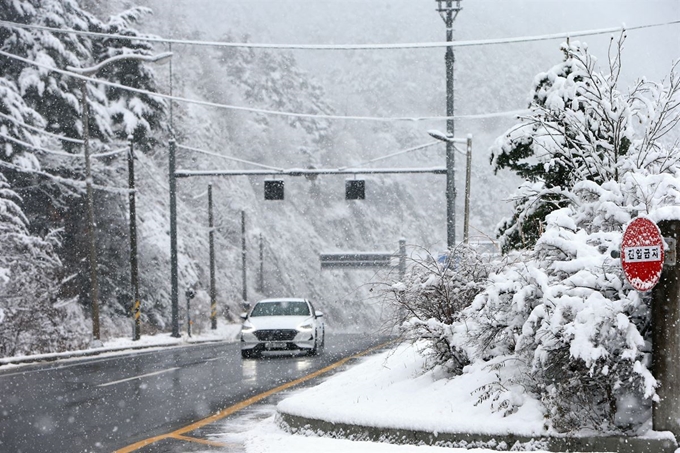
91,71
451,141
449,12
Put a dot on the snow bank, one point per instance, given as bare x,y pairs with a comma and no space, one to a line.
390,390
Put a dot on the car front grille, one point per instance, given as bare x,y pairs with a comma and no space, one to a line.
276,335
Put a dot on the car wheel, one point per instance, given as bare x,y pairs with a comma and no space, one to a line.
315,349
249,354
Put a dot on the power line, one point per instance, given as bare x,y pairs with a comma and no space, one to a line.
235,159
264,111
423,45
409,150
59,153
59,179
42,131
39,148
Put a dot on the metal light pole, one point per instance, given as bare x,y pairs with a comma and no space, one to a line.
91,71
468,170
448,12
450,142
260,285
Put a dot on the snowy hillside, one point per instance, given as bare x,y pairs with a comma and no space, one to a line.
314,217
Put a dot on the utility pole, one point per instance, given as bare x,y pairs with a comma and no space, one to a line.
213,292
448,12
92,248
468,171
402,259
174,297
260,285
243,255
134,265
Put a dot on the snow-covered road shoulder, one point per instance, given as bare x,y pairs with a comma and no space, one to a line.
117,346
391,392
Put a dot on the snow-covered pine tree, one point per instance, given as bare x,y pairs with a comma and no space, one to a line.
578,129
115,113
34,95
32,319
274,80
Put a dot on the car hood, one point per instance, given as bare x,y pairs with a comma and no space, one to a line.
278,322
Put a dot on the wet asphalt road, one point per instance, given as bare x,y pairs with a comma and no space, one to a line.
103,404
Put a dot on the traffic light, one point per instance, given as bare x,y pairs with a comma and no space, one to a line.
273,189
355,189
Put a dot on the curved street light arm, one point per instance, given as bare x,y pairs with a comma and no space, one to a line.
160,59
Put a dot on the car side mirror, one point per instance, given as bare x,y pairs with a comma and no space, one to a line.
243,316
318,314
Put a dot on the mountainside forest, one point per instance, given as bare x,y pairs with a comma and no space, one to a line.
44,273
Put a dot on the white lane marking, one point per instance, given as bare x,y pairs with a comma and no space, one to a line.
80,362
138,377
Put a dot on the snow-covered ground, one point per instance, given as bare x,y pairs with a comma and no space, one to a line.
390,389
266,437
116,346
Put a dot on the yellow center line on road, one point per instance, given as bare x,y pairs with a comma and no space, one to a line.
178,434
202,441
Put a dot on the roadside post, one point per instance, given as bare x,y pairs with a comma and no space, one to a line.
647,266
190,293
666,336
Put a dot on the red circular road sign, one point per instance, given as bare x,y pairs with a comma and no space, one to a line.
642,254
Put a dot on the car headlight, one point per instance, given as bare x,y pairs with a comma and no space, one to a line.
306,326
247,328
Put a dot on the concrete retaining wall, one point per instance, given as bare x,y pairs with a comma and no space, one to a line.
302,425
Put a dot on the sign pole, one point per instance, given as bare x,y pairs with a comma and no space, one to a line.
666,339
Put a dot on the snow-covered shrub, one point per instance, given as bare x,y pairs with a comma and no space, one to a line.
560,310
431,298
594,158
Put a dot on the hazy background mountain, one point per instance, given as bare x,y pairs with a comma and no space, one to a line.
315,218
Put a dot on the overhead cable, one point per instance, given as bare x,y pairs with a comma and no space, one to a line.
70,182
409,150
60,153
235,159
42,131
39,148
422,45
264,111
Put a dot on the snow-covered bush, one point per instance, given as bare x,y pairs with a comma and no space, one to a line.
594,158
560,310
431,298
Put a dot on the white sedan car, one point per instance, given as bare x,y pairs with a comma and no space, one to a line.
281,325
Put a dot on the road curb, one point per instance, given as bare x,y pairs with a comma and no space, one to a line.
295,424
93,352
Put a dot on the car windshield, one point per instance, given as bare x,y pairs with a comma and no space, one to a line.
281,308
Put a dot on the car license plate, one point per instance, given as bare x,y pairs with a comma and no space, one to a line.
275,345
